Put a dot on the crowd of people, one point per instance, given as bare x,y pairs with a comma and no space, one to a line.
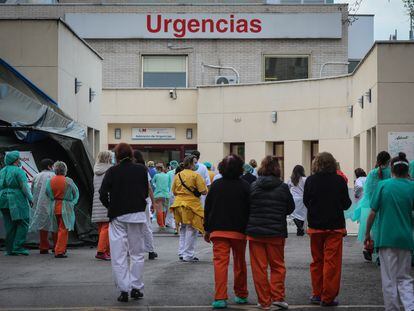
241,204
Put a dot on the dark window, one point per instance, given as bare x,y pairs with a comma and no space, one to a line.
279,153
352,65
286,68
238,149
314,150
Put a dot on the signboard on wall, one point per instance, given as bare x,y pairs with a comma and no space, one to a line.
206,25
28,165
401,141
148,133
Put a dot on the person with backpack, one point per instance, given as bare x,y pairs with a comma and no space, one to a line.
188,186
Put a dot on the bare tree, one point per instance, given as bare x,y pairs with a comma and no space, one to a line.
409,6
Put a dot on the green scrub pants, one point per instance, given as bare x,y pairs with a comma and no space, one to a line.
16,231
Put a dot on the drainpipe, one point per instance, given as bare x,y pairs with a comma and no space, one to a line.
224,67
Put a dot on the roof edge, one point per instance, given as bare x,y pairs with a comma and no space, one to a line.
59,20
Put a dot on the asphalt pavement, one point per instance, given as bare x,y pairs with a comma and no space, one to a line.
81,282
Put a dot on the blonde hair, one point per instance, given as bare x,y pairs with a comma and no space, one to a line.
104,157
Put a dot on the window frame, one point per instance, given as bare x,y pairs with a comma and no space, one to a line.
308,56
164,87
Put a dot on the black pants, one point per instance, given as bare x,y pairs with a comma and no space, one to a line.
299,225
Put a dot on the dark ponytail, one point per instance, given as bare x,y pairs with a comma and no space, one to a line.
400,165
297,173
382,159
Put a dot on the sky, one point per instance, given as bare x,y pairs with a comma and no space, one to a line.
389,15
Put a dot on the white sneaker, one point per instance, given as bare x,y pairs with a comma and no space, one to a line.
262,307
281,304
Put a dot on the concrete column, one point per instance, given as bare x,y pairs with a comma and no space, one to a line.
212,152
257,150
363,151
104,135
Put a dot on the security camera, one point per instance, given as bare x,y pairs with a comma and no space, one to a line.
173,94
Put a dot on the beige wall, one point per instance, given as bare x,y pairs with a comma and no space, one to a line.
244,114
126,108
78,61
306,110
31,47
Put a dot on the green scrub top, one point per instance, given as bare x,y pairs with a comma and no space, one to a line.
393,201
161,182
412,169
171,175
15,193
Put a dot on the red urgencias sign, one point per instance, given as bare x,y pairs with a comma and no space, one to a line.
181,26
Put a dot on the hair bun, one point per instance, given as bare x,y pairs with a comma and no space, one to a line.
402,156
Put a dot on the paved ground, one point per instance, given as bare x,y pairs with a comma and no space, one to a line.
80,282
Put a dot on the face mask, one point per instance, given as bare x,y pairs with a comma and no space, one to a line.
195,167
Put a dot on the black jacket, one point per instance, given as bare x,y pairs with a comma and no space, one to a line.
270,203
326,197
227,206
249,177
124,189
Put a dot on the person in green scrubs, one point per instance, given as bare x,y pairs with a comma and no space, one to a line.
412,169
162,186
382,171
15,201
169,220
392,206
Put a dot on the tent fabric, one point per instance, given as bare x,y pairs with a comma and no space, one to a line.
32,121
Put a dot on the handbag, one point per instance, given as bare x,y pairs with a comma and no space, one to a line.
195,191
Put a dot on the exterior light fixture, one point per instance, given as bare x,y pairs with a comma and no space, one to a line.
78,85
368,95
118,133
92,95
189,133
351,111
361,102
274,116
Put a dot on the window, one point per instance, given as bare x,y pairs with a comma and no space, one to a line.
238,149
314,150
352,65
279,153
164,71
279,68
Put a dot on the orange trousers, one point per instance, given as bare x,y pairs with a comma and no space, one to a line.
326,249
103,242
161,214
263,255
44,240
221,253
62,236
